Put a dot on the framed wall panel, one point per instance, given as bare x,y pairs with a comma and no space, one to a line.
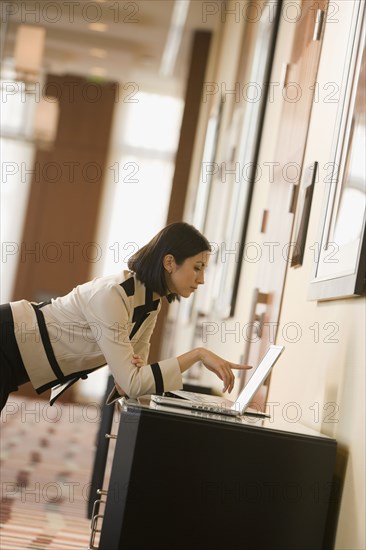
253,78
340,266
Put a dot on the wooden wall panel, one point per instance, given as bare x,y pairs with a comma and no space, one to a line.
58,248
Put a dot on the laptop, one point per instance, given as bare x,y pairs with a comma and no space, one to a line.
221,405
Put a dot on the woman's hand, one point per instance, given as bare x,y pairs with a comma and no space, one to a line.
221,367
138,362
212,362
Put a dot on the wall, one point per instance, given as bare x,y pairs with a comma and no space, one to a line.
320,379
326,378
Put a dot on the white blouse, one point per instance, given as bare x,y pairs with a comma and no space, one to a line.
104,321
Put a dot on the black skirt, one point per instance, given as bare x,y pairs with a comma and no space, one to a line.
12,370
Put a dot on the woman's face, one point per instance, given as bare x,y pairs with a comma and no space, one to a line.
184,279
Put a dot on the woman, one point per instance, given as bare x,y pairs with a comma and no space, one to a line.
110,320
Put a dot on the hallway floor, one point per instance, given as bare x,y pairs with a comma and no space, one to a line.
46,461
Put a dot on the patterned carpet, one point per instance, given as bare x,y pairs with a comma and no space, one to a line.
46,461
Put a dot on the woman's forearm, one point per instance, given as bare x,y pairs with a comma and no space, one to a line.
186,360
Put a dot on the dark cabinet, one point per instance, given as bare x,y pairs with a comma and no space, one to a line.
180,480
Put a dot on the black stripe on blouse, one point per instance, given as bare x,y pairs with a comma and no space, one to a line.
129,286
47,343
159,382
140,314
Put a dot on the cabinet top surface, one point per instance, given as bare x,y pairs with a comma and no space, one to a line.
274,424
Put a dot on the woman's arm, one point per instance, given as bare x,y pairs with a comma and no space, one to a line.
210,360
138,362
214,363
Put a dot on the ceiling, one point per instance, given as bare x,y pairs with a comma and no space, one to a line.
126,44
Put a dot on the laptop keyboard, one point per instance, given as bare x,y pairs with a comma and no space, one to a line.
196,398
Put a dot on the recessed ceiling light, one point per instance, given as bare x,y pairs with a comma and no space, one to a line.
99,27
98,52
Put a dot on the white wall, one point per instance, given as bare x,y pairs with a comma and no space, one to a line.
319,379
326,378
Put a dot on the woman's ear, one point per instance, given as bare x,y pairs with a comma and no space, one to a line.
169,263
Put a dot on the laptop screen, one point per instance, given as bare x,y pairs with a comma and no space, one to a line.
258,377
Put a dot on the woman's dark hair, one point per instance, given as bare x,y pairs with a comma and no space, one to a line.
180,239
